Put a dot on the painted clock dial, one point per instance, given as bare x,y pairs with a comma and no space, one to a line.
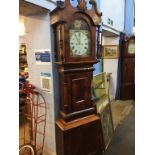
131,47
79,38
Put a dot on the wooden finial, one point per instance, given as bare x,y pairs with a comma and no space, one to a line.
82,5
95,7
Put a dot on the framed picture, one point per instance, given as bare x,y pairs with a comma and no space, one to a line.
103,107
107,125
110,51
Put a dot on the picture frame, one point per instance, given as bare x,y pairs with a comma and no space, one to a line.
110,52
107,125
104,111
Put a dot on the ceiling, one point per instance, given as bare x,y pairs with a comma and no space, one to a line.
29,9
107,33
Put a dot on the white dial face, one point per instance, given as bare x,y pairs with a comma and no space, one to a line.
131,48
79,43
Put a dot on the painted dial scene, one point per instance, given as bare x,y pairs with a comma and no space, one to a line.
79,39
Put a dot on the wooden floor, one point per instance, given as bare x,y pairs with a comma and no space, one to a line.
123,142
120,109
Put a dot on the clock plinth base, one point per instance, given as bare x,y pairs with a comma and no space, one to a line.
79,137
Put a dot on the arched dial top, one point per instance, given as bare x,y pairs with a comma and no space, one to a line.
79,38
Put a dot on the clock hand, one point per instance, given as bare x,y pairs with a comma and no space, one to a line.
79,38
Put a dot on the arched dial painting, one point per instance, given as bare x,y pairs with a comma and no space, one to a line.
79,38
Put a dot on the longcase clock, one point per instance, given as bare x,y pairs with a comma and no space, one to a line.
78,131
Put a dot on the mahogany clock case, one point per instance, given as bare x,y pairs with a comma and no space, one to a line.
78,131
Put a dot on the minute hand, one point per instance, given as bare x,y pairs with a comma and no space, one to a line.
77,38
80,38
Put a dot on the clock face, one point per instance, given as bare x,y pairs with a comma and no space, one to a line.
79,43
131,48
79,39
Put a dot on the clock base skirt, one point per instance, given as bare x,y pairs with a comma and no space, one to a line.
79,137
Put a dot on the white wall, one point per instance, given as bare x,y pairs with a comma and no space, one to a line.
50,5
38,37
111,65
113,9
